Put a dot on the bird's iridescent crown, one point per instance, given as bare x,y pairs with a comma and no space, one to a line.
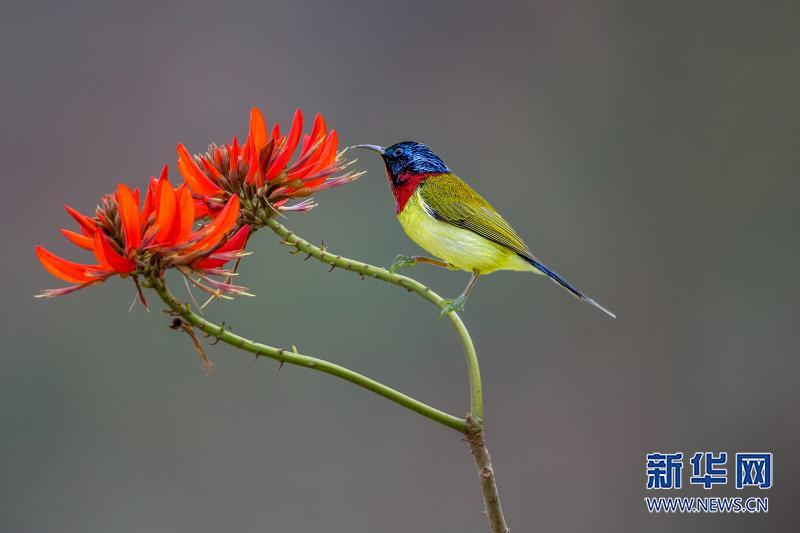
412,157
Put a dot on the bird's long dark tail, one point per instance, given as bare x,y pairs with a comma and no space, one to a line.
564,283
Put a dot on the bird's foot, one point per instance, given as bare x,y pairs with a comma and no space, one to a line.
453,306
402,261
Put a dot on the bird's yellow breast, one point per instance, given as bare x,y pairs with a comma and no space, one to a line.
459,247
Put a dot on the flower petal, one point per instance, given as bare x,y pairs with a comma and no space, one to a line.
233,156
77,239
149,202
252,161
326,159
234,244
129,211
258,129
63,269
317,132
200,208
279,163
211,169
87,225
210,235
185,215
166,211
194,177
312,150
109,257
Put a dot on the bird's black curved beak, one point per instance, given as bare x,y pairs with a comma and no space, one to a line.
380,150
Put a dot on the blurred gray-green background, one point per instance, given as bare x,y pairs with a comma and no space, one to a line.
647,150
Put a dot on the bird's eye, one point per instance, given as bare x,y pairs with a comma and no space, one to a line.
398,152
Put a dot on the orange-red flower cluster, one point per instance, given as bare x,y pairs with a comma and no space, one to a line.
260,171
198,227
129,239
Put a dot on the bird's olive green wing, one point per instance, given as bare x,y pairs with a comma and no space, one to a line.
449,199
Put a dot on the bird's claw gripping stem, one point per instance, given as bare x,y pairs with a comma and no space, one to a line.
402,261
456,305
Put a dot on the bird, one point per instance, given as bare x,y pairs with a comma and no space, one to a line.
452,222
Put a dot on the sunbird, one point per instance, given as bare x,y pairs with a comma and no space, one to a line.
454,223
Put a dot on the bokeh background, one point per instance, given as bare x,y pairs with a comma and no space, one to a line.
646,150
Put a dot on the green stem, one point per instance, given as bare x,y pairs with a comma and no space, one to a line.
181,309
476,392
473,430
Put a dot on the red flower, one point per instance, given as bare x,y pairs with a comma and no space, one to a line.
128,239
260,171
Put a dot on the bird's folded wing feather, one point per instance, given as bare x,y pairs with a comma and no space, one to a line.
450,200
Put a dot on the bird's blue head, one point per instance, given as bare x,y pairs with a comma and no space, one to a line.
408,158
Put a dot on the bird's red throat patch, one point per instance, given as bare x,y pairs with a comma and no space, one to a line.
405,186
